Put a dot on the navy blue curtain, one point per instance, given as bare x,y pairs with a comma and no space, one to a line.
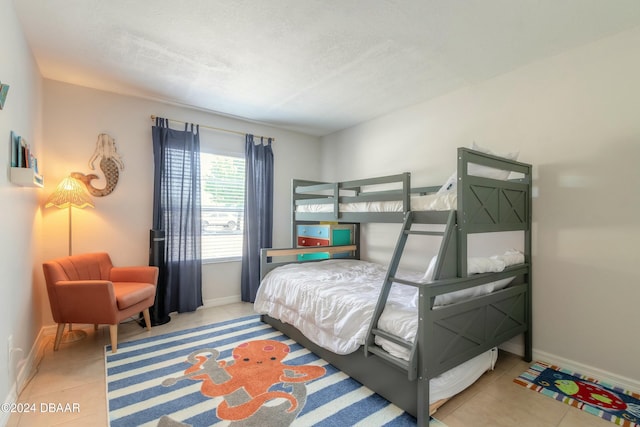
258,212
176,210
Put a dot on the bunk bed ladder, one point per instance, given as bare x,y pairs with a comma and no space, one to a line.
445,267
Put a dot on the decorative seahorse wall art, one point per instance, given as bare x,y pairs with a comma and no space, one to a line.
110,164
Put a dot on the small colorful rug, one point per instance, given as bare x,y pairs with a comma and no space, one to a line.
236,373
611,403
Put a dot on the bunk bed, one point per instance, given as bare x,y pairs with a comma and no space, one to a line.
486,194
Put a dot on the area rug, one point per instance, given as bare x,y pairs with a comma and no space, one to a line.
236,373
611,403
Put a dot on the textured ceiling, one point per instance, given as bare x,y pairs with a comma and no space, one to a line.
311,66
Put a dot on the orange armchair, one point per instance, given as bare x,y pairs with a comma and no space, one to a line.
87,288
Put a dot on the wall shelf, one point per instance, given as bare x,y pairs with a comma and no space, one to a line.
26,177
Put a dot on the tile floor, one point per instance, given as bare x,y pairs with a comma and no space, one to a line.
75,375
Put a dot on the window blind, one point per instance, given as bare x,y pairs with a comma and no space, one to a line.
222,190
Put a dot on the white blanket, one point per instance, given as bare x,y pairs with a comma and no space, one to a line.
332,302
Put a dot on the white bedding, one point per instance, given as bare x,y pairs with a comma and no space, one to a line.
430,202
331,302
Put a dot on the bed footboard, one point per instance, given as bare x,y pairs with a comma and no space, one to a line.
452,334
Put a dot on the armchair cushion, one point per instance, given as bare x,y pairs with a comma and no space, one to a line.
130,293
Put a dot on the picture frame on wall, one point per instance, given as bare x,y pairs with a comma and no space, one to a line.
4,89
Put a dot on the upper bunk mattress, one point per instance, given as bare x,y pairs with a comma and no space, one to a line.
429,202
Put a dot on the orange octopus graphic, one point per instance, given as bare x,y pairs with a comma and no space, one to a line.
246,381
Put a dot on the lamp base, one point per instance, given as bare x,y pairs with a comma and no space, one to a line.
73,336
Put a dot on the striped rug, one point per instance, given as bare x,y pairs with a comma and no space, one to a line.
165,381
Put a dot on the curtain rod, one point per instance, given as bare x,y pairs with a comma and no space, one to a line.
215,128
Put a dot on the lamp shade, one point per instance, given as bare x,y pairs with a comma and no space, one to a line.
70,192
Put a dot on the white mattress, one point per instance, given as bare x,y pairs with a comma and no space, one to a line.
332,302
430,202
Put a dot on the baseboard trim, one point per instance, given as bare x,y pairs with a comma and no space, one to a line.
30,365
575,366
27,368
216,302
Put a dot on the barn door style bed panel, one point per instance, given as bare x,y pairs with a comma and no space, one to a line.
416,338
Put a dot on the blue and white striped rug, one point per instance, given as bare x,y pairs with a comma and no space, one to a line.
175,380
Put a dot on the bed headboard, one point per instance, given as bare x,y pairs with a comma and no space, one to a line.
487,204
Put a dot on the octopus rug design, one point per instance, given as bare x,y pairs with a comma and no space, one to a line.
255,376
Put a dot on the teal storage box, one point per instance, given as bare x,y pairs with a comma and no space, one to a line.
324,235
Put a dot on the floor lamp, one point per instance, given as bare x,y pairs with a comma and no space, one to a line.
70,193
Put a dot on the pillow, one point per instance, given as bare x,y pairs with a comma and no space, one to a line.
428,275
475,265
450,186
486,171
510,257
457,296
479,170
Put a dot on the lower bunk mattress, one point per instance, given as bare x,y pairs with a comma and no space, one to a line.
332,302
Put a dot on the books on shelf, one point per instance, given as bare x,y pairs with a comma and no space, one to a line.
15,148
21,154
24,164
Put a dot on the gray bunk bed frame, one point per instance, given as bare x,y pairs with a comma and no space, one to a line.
448,335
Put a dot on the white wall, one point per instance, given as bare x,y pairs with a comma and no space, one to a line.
120,222
576,118
20,215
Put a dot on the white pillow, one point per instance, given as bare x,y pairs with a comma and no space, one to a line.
428,275
510,257
475,265
457,296
479,170
450,186
486,171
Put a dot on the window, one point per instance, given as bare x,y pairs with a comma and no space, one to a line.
222,206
